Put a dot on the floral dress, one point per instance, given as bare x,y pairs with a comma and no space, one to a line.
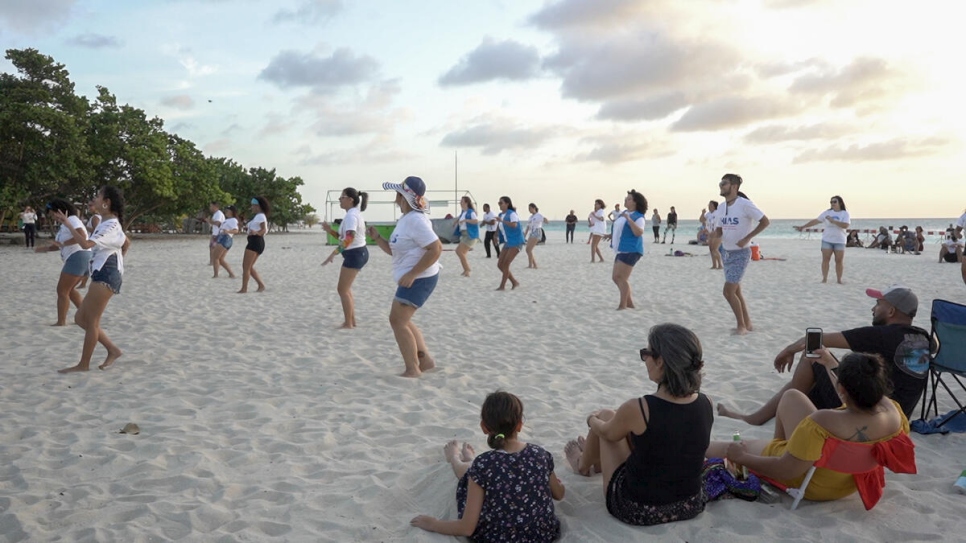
517,505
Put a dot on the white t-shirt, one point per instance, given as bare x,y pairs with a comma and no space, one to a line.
615,240
736,221
65,234
462,220
709,221
256,223
353,221
509,216
952,244
833,233
412,234
90,221
655,220
227,225
218,217
535,222
598,225
28,217
489,216
108,240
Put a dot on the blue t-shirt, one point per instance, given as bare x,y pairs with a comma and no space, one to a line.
514,236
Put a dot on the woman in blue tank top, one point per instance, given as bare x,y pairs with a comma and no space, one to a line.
651,450
512,230
627,240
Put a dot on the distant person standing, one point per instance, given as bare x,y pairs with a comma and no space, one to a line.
534,233
656,226
352,246
598,229
217,217
714,241
571,226
29,219
257,228
468,224
512,232
672,225
612,216
836,223
736,227
628,242
491,237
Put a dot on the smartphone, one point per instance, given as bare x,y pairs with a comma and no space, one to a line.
813,341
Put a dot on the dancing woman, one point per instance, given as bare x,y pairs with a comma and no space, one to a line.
469,227
257,228
76,258
834,235
513,233
598,229
223,242
352,246
628,242
534,233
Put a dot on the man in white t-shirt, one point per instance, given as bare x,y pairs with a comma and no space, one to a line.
952,249
489,220
217,217
735,226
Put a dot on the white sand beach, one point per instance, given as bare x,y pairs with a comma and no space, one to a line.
260,421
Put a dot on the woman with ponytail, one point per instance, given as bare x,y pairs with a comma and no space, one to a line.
867,415
651,449
505,494
109,245
352,246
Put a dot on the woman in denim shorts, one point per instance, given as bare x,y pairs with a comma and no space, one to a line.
109,245
76,259
835,233
415,251
352,246
224,241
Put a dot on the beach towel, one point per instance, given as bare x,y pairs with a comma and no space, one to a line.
955,424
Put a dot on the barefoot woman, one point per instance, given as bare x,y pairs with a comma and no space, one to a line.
77,260
352,246
257,228
415,251
513,233
109,245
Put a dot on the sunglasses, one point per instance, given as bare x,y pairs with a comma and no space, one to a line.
645,352
724,183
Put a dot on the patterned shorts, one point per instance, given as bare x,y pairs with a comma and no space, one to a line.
735,263
625,509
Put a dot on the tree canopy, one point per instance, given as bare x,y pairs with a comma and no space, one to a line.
54,143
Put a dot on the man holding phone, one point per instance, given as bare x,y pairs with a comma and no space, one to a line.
904,347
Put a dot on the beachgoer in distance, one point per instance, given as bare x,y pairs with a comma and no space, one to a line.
612,216
960,224
836,220
571,221
866,415
469,227
505,494
627,240
853,239
598,229
671,224
415,251
224,241
735,220
951,249
352,247
76,258
257,228
29,220
534,233
714,240
651,449
491,237
656,226
109,246
217,217
920,239
883,240
512,232
891,336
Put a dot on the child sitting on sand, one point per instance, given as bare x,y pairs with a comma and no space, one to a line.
504,494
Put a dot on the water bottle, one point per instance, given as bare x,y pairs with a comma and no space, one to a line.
742,471
960,484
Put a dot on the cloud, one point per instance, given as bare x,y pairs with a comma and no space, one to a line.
343,67
493,60
373,114
94,41
493,136
234,128
579,13
864,80
181,101
895,149
619,148
779,133
310,12
732,112
648,109
33,15
276,125
181,126
377,151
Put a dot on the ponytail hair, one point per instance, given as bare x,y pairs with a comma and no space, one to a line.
359,199
501,414
117,201
263,205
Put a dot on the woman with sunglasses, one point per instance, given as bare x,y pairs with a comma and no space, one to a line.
257,228
352,246
836,222
76,258
651,449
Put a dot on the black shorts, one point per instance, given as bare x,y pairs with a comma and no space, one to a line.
256,244
950,257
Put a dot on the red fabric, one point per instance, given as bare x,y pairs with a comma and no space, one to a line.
897,454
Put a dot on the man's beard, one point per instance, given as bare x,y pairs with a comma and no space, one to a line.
877,320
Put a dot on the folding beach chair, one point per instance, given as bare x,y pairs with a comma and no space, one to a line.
864,461
949,332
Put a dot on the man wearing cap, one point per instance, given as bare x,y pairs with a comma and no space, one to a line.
904,347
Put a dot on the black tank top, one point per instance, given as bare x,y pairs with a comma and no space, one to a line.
666,460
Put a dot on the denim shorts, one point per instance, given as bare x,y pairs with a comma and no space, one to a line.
628,258
417,294
735,263
78,264
225,241
536,233
108,274
355,259
833,246
256,244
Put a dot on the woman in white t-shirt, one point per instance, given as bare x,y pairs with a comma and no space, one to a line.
714,240
257,228
415,251
836,222
227,228
29,220
352,247
109,245
534,233
598,229
93,219
76,259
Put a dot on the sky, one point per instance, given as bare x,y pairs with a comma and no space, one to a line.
555,102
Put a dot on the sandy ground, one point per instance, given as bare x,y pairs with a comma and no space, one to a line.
260,421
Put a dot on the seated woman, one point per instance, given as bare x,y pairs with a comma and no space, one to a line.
853,239
883,240
867,416
651,450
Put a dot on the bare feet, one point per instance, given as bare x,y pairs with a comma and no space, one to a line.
725,411
347,326
73,369
466,273
741,330
515,284
467,454
59,324
242,291
451,451
410,374
230,276
426,362
500,288
573,451
260,289
112,357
